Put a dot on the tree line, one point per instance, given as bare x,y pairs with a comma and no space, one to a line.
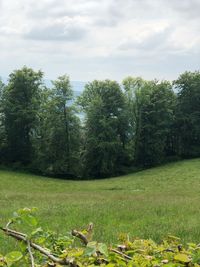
108,130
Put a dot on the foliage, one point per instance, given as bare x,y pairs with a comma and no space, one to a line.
188,114
105,128
151,107
132,87
20,102
120,128
156,117
58,141
3,139
46,248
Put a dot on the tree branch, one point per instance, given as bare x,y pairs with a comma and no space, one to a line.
30,253
67,262
121,254
84,238
22,237
81,236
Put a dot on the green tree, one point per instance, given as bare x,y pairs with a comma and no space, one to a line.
151,109
133,89
105,128
3,141
188,114
157,115
20,106
58,142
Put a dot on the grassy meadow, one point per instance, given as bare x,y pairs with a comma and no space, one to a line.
147,204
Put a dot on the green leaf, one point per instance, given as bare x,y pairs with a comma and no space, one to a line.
103,249
13,257
91,248
89,251
182,258
37,231
29,219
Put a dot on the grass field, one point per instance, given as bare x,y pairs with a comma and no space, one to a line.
147,204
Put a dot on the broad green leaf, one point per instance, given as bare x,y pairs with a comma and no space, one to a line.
91,248
36,231
13,257
29,219
89,251
103,249
182,258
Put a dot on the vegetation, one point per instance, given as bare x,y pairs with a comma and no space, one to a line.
40,248
140,124
58,132
188,114
105,126
20,102
151,107
147,204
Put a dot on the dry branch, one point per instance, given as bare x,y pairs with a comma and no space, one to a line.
85,240
22,237
65,262
121,254
30,253
81,236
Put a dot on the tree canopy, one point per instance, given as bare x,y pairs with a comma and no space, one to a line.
108,130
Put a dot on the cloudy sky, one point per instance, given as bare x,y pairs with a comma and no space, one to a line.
98,39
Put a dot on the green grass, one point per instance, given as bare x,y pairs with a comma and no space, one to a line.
147,204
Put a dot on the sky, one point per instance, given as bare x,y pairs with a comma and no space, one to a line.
100,39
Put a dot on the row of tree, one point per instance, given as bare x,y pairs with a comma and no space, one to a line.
106,131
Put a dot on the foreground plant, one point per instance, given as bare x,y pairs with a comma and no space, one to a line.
39,248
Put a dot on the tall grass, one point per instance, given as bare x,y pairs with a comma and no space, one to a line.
147,204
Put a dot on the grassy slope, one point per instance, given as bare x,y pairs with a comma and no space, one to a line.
147,204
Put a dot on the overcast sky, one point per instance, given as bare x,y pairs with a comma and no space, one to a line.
98,39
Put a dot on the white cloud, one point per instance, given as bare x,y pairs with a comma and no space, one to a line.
100,39
65,29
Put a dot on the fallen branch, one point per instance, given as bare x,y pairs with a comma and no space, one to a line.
22,237
67,262
30,253
9,223
121,254
13,232
85,240
81,236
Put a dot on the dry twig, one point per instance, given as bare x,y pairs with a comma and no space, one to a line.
81,236
30,253
121,254
84,238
